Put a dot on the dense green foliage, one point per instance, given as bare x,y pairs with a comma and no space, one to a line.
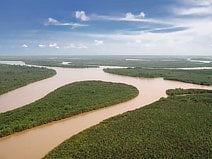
58,63
12,77
180,91
175,127
127,61
203,77
66,101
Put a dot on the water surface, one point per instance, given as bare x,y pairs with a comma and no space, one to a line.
36,142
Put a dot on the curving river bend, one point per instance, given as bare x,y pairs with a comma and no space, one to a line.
36,142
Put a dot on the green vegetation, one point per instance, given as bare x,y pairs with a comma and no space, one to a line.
127,61
58,63
12,77
180,91
175,127
203,77
66,101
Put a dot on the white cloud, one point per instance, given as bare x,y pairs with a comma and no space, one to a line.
194,7
54,45
41,45
24,46
138,41
197,2
76,46
52,21
55,22
193,11
81,15
129,16
98,42
142,15
76,25
195,39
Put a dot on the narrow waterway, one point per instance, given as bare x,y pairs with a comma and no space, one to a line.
36,142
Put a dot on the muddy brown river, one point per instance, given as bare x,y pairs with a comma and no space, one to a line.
36,142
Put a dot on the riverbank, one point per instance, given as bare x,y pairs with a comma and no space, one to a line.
65,102
13,77
175,127
202,77
36,142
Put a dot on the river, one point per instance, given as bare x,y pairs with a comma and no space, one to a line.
36,142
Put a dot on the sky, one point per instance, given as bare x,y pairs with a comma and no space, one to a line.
106,27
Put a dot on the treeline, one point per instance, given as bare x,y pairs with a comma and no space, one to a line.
65,102
127,61
175,127
180,91
203,77
58,63
15,76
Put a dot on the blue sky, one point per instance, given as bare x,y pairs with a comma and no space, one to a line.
138,27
